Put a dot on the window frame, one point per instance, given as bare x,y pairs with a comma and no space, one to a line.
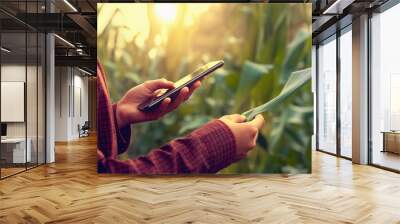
337,34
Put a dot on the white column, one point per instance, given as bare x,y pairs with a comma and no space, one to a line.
50,99
50,92
360,90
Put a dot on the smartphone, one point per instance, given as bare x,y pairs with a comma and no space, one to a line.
188,80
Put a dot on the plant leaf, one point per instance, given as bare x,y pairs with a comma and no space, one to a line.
249,76
296,80
297,49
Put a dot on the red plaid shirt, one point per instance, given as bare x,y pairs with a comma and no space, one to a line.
206,150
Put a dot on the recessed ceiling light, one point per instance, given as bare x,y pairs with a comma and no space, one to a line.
70,5
84,71
64,40
5,50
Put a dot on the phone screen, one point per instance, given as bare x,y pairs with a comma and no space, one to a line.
185,81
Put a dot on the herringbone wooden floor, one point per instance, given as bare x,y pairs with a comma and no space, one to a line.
70,191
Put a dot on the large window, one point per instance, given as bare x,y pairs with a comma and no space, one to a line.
385,89
345,92
327,95
334,106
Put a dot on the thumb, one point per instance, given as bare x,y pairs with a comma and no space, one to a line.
257,122
154,85
237,118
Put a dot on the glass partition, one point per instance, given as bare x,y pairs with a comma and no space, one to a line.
22,89
327,95
15,149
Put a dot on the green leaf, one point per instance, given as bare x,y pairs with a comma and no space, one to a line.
278,130
249,76
299,114
296,80
296,52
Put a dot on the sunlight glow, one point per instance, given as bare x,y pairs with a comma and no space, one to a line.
166,11
130,23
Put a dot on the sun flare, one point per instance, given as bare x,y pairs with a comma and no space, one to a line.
165,12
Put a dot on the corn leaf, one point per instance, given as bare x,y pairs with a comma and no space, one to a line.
296,80
298,49
249,76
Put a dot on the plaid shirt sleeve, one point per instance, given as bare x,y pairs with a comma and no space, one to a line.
123,135
206,150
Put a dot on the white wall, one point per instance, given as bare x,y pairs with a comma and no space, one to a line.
71,93
80,100
61,103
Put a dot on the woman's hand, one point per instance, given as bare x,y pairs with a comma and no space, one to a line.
127,111
245,133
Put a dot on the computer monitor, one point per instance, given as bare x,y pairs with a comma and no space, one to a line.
3,129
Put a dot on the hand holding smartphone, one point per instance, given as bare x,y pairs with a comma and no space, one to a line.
186,81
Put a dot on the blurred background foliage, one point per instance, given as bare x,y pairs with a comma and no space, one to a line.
261,45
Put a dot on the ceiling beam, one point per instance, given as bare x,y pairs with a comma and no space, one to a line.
84,24
320,22
337,7
76,61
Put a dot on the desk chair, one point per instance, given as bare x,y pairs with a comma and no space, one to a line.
84,130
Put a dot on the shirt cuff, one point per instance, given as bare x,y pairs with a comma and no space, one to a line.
123,134
219,144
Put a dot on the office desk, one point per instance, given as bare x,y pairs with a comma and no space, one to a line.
391,141
13,150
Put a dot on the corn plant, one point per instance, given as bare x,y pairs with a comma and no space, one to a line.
296,80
